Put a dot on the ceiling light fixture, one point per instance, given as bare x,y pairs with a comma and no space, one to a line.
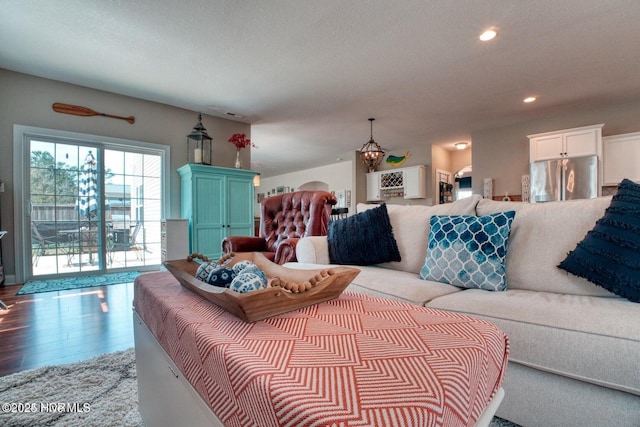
371,153
490,34
461,145
529,99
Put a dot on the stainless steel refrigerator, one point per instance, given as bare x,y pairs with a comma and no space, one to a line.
564,179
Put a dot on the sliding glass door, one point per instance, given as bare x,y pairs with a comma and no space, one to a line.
90,206
134,193
66,208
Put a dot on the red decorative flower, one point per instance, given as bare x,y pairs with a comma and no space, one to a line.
240,140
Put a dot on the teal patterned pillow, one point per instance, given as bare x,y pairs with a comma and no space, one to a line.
468,251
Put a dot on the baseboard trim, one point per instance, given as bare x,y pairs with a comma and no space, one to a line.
10,280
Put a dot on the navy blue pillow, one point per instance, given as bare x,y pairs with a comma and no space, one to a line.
609,255
363,239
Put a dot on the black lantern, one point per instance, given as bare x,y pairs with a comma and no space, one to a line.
199,144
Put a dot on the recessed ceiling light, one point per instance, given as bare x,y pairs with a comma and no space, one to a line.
529,99
490,34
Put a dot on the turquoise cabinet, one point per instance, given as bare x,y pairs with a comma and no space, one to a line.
218,202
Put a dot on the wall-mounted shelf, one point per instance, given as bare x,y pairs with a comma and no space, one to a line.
445,193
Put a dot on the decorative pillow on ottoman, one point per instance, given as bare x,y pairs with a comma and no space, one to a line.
468,251
609,255
363,239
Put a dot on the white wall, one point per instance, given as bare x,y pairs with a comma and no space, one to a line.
337,176
347,175
460,159
440,160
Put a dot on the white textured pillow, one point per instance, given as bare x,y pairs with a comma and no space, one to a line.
313,250
410,225
541,236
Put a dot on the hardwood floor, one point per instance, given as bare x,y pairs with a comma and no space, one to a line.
51,328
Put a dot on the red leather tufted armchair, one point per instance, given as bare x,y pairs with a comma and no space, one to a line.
284,219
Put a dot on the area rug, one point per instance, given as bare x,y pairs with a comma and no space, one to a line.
51,285
101,392
104,389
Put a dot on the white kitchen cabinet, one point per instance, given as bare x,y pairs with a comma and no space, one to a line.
576,142
408,183
373,186
621,158
545,147
415,182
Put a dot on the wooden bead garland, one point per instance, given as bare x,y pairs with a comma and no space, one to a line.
305,286
196,255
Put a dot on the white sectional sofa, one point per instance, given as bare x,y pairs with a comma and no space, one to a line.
575,347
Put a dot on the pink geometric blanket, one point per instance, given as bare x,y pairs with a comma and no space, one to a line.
352,361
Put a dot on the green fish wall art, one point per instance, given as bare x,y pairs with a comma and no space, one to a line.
396,161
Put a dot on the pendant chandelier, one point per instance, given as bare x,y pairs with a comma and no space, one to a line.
371,153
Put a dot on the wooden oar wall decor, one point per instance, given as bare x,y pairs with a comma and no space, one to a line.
86,112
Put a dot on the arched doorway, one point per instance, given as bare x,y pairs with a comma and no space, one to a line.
314,186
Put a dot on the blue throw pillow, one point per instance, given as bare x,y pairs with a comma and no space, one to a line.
363,239
609,255
468,251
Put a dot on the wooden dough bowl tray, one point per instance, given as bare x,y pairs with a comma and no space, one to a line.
273,300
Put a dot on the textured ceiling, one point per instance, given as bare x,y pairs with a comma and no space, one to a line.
307,74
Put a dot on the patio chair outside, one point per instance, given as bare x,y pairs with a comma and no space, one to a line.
120,242
57,244
38,244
